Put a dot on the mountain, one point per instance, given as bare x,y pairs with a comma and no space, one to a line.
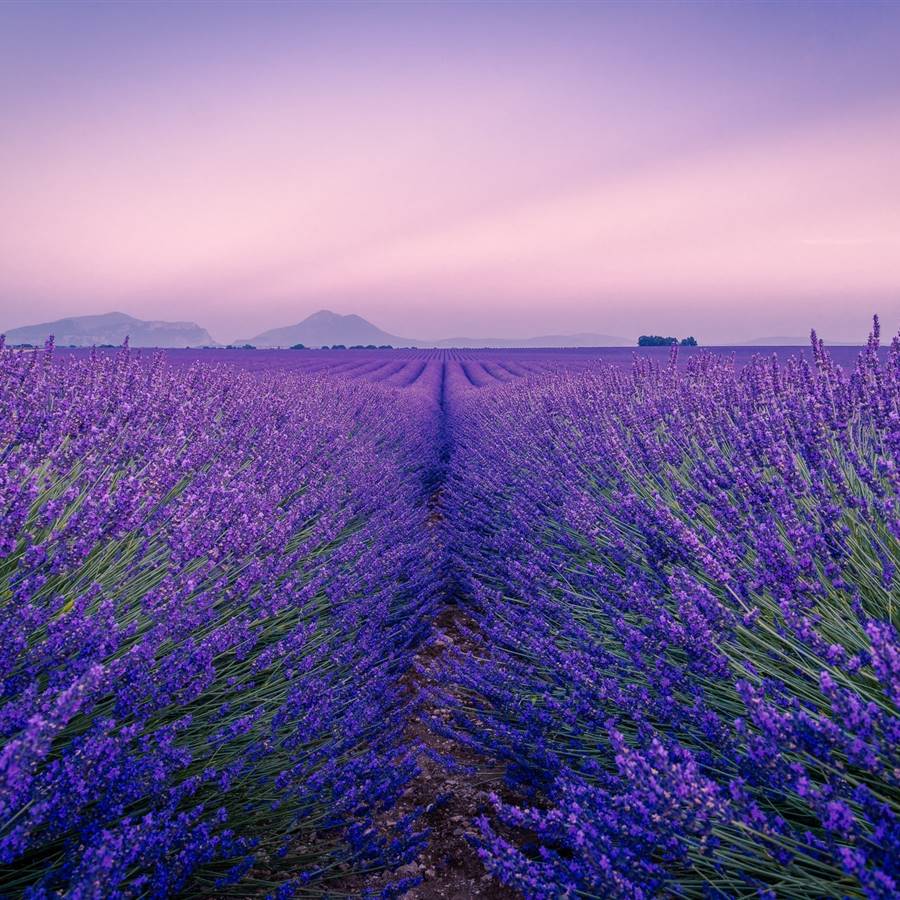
326,327
112,328
329,328
777,341
781,341
547,340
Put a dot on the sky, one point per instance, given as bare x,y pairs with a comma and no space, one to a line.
488,169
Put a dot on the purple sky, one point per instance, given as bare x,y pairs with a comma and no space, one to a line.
728,170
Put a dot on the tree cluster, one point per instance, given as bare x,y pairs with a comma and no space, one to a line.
656,340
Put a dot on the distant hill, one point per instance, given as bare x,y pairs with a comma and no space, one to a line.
547,340
329,328
781,341
326,327
112,328
323,328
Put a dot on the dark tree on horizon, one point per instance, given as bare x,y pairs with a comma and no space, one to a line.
656,340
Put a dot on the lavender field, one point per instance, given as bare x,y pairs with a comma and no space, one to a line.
642,606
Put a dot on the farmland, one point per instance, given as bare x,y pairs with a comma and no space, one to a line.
671,578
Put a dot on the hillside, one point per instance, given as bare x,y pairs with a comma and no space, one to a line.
328,328
546,340
112,328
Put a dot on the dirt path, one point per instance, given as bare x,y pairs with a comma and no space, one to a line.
450,866
452,795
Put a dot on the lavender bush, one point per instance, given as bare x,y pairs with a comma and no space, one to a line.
217,565
211,582
685,583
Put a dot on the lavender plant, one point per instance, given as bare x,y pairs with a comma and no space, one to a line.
685,583
211,582
214,575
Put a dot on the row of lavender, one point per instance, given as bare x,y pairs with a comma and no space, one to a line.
211,584
687,600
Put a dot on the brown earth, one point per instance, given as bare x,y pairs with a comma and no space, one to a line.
451,795
450,865
454,795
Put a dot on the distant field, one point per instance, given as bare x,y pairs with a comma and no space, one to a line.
400,368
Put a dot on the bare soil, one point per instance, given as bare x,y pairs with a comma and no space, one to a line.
452,796
450,865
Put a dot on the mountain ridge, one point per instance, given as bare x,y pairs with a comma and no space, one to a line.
788,341
112,328
579,339
327,328
321,328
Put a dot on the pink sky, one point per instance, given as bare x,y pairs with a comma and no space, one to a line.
454,169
